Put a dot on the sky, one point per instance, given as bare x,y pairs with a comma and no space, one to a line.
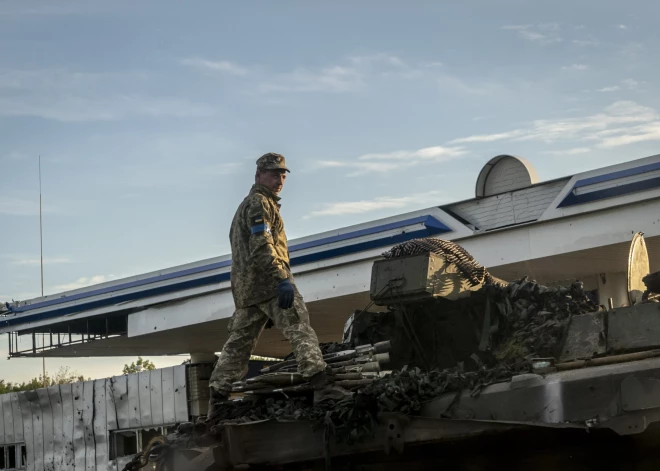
149,116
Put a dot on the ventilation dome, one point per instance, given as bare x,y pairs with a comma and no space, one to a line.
505,173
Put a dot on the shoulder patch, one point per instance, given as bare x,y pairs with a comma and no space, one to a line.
260,229
257,225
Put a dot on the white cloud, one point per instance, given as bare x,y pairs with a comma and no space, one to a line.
335,79
82,283
623,122
634,134
609,89
542,33
573,151
360,168
622,26
350,75
71,96
576,67
389,161
37,261
385,202
488,137
435,153
630,83
220,66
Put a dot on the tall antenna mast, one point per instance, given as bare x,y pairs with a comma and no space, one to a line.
41,248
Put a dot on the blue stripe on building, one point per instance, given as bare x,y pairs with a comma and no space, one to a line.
432,226
573,199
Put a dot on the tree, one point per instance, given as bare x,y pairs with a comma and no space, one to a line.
138,367
63,376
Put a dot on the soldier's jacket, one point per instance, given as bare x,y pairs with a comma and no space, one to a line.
260,255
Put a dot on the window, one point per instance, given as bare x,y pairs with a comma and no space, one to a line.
123,443
11,455
129,442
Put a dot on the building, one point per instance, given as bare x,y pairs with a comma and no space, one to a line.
92,425
579,226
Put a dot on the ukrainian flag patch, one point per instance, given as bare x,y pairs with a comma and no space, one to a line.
260,228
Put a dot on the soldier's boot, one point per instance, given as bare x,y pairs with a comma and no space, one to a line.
324,388
216,399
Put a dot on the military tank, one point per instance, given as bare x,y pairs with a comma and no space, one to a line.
456,368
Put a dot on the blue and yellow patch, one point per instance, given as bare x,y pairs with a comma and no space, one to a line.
260,228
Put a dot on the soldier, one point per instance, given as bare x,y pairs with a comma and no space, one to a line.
264,290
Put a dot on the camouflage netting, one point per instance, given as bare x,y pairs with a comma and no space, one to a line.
353,418
533,318
527,320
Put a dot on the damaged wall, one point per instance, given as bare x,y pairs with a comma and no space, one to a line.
69,427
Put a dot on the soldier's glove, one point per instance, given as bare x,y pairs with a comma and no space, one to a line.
285,294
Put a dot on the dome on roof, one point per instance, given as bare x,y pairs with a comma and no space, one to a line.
505,173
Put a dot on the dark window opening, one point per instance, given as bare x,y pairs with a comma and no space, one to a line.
11,457
129,442
3,462
23,456
148,435
123,443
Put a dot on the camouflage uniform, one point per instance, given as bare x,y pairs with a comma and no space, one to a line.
260,261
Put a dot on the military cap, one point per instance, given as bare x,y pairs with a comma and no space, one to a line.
272,161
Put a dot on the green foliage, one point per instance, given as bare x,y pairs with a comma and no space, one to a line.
63,376
138,367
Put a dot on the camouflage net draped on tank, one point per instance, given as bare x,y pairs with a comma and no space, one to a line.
531,321
473,272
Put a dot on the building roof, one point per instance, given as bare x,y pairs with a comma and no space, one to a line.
532,212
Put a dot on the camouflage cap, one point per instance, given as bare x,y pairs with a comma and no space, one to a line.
272,161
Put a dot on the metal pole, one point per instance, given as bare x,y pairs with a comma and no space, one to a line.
41,246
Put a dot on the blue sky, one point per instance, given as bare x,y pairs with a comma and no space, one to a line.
149,117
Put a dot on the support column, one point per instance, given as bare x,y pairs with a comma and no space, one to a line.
199,374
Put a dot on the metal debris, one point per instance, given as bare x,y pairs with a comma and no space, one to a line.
528,323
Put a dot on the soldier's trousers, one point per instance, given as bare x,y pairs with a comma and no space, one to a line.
246,326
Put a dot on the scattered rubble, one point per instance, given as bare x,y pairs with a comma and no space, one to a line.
527,321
